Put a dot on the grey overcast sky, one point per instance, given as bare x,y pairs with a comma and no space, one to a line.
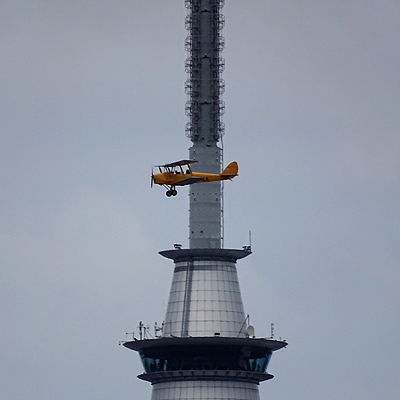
92,94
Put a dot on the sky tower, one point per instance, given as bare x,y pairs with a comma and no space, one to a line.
207,349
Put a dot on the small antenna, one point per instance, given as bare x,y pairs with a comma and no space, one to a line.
158,329
248,248
140,329
272,330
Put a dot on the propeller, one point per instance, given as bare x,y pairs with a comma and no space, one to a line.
152,178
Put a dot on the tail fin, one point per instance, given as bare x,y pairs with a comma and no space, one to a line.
230,171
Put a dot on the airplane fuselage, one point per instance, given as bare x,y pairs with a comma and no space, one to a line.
181,179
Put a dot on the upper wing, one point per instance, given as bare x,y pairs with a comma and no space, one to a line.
177,163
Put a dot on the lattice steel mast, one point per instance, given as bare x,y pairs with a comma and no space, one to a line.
204,108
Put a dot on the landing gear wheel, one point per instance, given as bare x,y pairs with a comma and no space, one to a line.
168,193
174,192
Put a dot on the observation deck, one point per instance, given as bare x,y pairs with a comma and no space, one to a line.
212,358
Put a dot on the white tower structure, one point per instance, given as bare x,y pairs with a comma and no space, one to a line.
207,349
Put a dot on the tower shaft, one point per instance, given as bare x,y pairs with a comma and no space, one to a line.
204,108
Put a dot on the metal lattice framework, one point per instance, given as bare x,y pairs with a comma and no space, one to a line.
204,66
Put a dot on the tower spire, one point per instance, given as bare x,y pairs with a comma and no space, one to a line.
204,109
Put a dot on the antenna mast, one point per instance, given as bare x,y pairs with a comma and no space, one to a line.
204,108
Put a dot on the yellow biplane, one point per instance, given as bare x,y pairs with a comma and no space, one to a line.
179,173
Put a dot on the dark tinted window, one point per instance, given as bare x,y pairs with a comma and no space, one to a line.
175,358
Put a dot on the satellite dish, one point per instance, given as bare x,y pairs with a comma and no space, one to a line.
250,330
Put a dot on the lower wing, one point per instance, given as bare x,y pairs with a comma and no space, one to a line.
188,181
